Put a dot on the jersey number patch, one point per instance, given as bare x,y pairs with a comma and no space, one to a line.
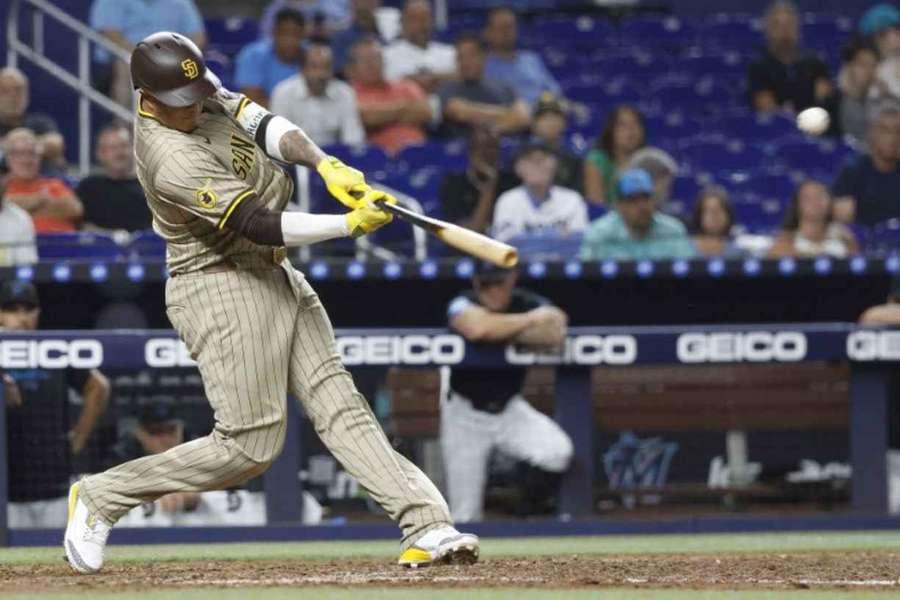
206,197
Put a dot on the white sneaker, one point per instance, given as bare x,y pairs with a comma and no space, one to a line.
445,545
85,537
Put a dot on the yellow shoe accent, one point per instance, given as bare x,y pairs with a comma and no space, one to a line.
73,499
414,556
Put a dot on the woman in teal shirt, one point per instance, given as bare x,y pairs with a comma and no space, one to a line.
622,135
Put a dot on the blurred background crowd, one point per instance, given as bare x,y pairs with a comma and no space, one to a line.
570,135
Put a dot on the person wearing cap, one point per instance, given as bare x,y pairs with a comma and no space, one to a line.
636,229
40,443
253,323
17,245
522,70
549,124
483,410
158,429
538,206
662,168
265,63
881,25
127,22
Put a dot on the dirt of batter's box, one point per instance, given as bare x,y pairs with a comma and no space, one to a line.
856,570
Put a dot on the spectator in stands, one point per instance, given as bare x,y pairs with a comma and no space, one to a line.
867,189
662,169
522,70
881,25
158,429
324,107
468,198
53,156
887,314
475,101
850,105
125,23
549,124
14,100
785,75
394,113
16,234
809,228
416,55
538,206
622,136
485,411
364,24
334,14
712,223
40,443
636,229
265,63
50,202
113,198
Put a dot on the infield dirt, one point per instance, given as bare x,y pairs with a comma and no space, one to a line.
817,570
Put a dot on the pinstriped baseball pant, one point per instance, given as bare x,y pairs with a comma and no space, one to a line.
257,335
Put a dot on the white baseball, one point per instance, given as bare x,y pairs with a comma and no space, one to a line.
813,121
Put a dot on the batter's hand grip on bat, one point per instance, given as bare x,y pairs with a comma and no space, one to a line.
470,242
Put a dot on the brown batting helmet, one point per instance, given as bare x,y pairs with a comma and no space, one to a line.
171,68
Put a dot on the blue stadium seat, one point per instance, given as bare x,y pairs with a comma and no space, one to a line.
756,127
368,159
412,158
231,33
547,246
147,244
78,245
884,238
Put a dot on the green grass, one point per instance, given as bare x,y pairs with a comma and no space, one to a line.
637,544
717,543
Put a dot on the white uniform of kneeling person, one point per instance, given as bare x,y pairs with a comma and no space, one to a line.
484,410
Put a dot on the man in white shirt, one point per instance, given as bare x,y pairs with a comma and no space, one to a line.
16,234
537,206
416,56
324,107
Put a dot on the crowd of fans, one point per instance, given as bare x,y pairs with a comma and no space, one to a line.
343,74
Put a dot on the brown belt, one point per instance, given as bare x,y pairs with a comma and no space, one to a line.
226,264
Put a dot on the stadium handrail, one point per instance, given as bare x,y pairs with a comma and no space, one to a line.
82,82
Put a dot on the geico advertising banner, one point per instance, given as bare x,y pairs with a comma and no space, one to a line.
438,347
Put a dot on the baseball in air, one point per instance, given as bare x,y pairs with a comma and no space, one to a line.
813,121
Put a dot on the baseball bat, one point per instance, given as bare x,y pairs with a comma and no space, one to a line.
470,242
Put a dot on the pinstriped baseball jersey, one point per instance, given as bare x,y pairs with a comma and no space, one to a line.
194,181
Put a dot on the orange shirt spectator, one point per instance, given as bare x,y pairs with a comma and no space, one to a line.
394,113
52,205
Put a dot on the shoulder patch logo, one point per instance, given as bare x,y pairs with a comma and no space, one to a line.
190,68
206,197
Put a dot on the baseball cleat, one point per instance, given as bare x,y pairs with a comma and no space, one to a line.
441,546
85,537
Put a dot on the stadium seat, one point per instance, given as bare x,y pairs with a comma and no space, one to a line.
547,246
884,238
366,158
232,33
147,244
78,245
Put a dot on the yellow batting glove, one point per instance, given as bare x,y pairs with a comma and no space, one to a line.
344,183
368,217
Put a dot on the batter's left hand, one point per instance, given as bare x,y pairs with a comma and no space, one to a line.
368,217
345,183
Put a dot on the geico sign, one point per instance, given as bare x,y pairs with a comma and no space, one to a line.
443,349
753,346
51,354
163,353
873,345
582,350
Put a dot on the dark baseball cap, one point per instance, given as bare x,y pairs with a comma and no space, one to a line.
17,292
550,102
635,182
486,271
535,144
157,409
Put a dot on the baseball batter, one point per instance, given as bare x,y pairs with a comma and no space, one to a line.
253,324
